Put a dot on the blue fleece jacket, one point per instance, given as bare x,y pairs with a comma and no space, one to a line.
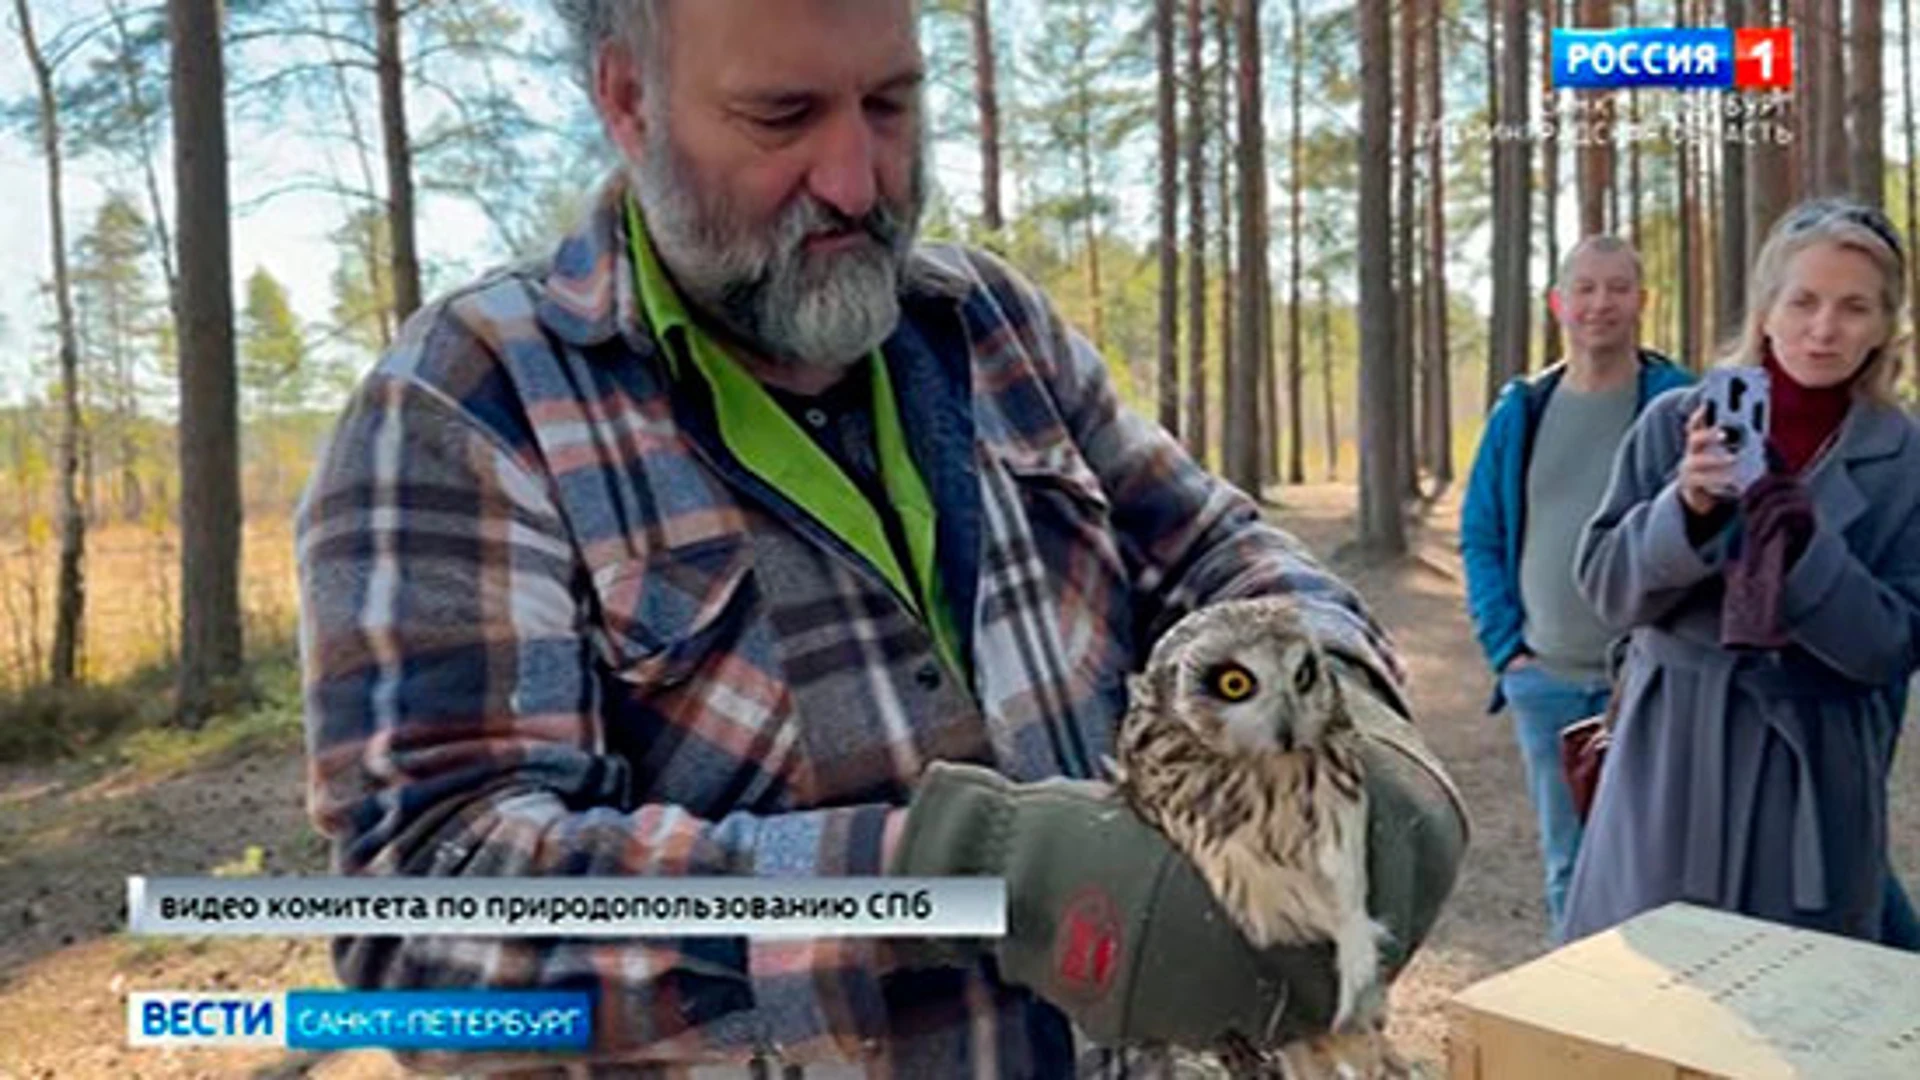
1493,518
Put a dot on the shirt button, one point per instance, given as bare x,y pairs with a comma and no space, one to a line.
928,676
817,417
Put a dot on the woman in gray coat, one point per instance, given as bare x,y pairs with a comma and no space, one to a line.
1749,764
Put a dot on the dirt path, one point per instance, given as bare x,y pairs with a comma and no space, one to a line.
68,837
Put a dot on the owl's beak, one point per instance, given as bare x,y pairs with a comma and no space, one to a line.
1283,730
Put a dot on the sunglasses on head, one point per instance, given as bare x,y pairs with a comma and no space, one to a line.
1866,217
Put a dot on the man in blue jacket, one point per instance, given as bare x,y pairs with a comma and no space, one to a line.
1542,467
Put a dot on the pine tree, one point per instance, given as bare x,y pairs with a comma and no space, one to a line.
113,294
273,372
1382,525
363,306
70,584
1084,108
210,639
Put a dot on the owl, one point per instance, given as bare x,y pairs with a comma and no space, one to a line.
1238,746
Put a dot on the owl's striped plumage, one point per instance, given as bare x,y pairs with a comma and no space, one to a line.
1237,744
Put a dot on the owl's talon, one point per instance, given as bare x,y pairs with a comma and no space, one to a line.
1242,1059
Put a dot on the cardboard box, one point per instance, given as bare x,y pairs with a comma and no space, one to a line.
1684,992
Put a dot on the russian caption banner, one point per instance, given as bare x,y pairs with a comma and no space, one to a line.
1750,58
451,1020
569,907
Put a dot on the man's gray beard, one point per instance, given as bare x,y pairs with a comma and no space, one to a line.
761,286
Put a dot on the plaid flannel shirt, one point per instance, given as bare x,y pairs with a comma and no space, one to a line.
551,627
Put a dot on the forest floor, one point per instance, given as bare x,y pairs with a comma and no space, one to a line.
69,835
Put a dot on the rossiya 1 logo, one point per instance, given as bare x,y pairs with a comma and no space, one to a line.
1722,58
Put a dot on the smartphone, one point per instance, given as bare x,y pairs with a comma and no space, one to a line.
1736,401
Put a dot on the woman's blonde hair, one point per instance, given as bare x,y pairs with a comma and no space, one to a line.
1831,221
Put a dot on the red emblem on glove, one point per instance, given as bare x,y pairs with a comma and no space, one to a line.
1086,950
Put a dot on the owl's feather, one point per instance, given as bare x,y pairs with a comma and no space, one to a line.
1264,794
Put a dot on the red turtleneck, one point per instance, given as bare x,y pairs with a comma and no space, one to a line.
1803,418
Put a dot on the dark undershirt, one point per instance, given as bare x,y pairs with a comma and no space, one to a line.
840,421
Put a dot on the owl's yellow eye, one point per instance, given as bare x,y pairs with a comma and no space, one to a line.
1233,682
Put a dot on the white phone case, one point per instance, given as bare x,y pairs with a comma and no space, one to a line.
1737,404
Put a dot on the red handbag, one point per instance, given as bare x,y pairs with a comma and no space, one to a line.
1584,743
1583,753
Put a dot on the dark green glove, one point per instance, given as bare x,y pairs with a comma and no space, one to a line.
1110,924
1416,824
1105,919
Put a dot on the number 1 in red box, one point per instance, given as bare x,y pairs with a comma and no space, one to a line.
1763,58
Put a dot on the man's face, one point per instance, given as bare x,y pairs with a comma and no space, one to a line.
781,170
1600,302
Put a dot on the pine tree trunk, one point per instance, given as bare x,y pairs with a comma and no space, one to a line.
133,502
210,640
399,155
987,101
1835,161
1596,155
1512,285
1770,166
1913,176
70,583
1406,300
1267,421
1090,241
1686,236
1267,424
1550,188
1803,17
1296,362
89,469
1866,107
1689,244
1439,380
1413,333
1709,233
1243,400
1230,347
26,625
126,482
1730,283
1196,233
1406,351
1633,152
1710,292
1616,220
1244,407
1382,529
1090,233
1498,199
1168,395
1690,250
1090,236
1328,410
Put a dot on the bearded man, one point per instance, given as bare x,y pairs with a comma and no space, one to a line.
747,536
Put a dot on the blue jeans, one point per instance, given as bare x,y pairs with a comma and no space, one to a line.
1542,704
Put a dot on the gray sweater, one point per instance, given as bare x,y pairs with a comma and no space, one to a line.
1572,457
